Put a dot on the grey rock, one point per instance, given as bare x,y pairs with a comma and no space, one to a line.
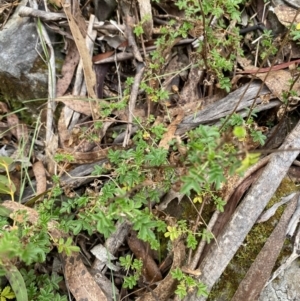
286,287
23,73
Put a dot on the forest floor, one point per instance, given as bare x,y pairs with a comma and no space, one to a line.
149,132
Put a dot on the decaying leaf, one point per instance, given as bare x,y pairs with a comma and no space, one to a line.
286,14
40,176
79,104
169,135
278,82
104,256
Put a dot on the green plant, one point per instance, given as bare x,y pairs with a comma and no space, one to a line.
42,287
187,284
6,185
6,293
131,266
267,43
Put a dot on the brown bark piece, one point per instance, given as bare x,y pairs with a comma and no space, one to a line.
259,272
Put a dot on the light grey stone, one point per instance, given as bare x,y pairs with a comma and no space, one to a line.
285,287
23,73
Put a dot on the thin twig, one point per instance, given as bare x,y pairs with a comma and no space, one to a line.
133,96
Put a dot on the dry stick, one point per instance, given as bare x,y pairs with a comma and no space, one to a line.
36,13
133,96
79,86
131,40
247,213
123,56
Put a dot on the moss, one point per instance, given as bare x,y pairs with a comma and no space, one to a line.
254,241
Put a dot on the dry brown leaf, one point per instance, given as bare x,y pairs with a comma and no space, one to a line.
286,14
169,135
18,129
79,104
89,74
68,69
101,56
80,282
40,176
278,82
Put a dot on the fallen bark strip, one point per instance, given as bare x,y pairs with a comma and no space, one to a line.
219,109
248,212
260,270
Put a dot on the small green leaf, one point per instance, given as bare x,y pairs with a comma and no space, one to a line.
6,187
6,161
7,293
4,211
239,132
